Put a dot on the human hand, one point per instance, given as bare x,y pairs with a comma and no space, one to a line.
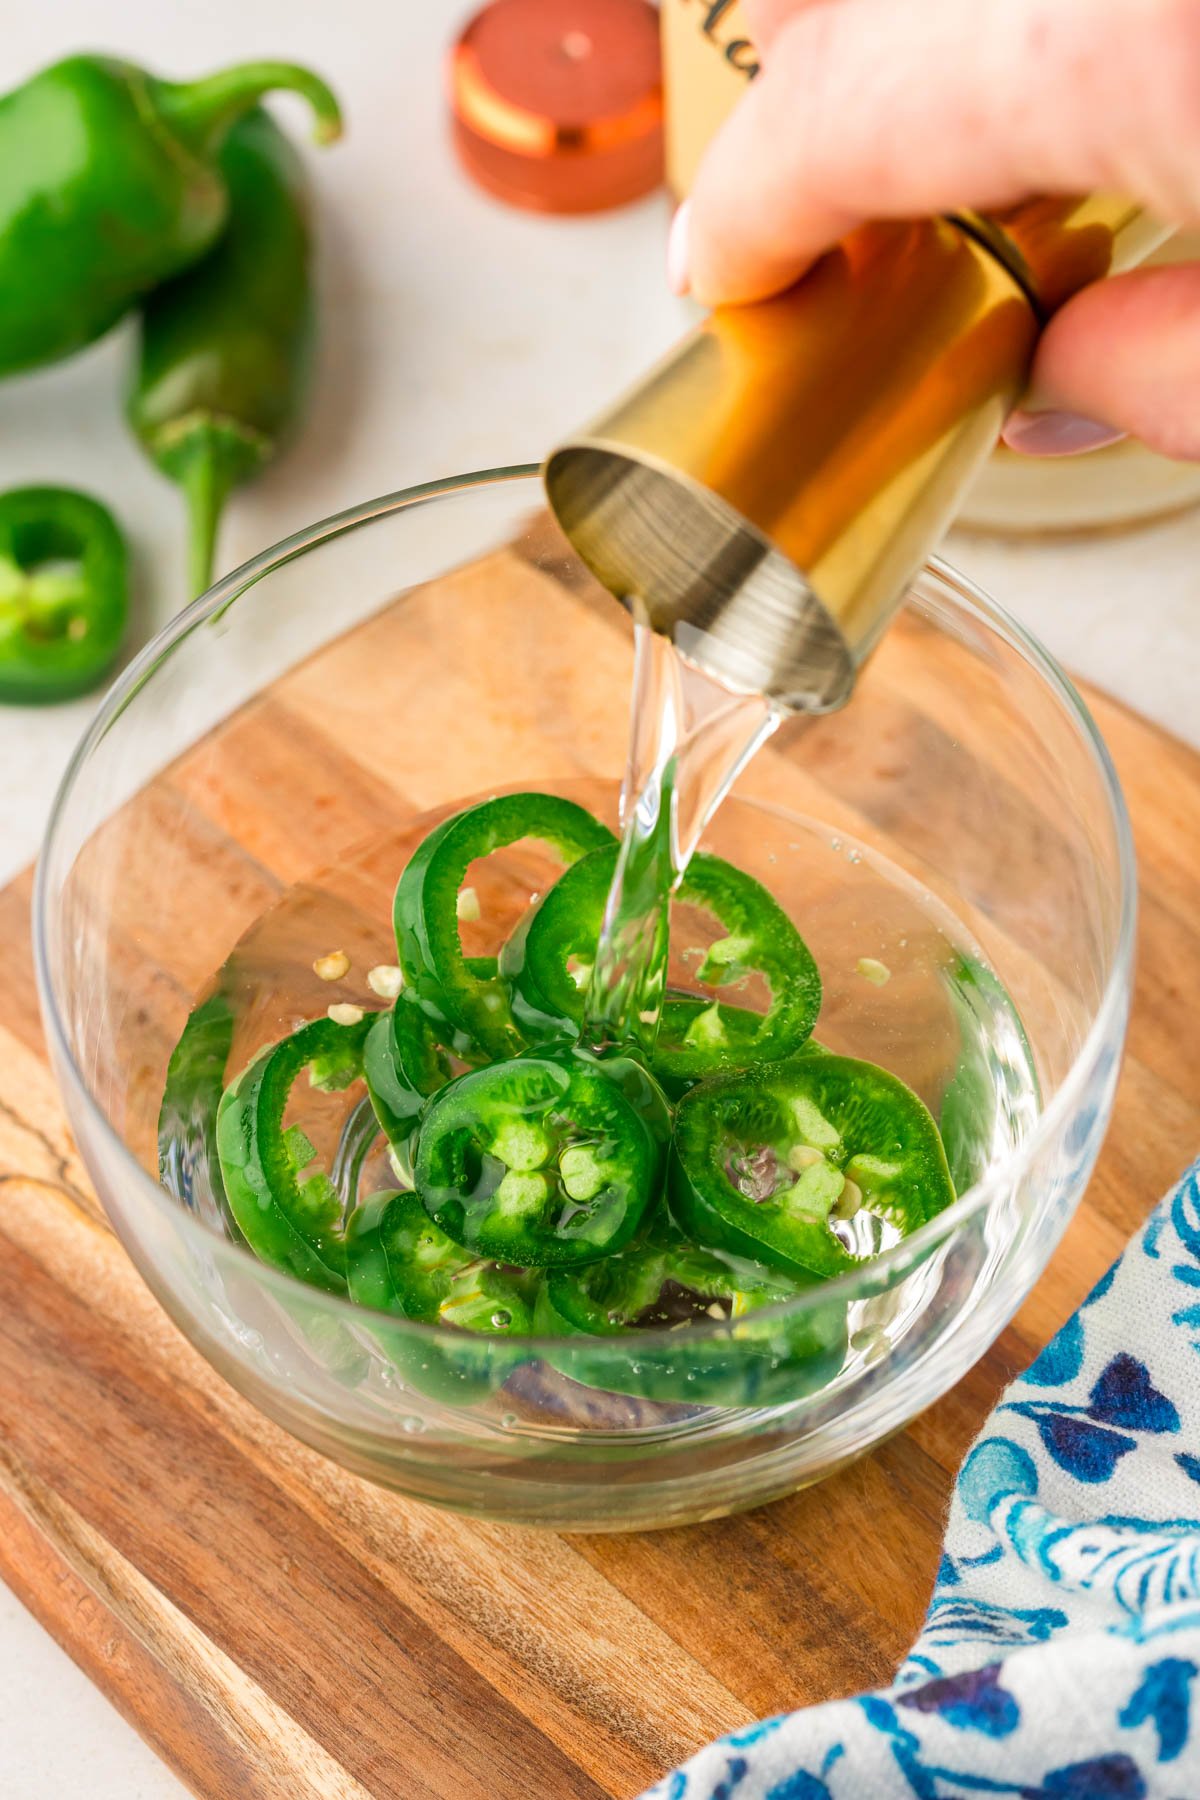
869,109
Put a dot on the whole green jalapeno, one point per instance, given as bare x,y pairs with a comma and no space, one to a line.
226,347
111,185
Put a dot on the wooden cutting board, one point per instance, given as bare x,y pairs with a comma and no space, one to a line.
275,1627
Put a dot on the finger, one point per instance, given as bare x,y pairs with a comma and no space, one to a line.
1123,355
867,109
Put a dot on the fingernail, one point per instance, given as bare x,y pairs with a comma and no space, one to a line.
1057,434
679,276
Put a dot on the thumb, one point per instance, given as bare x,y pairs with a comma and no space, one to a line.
1124,354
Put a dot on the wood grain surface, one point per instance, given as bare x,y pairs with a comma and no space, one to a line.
280,1630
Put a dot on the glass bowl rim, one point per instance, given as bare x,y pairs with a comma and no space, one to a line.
903,1256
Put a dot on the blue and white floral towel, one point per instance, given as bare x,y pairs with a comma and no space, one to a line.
1060,1658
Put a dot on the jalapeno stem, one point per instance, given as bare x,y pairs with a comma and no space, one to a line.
201,112
206,480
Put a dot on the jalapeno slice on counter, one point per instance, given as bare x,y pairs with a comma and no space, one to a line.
287,1217
425,913
808,1165
549,960
546,1160
64,593
675,1287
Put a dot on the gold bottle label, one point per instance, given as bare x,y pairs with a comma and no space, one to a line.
708,59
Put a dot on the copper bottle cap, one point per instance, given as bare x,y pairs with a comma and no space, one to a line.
557,104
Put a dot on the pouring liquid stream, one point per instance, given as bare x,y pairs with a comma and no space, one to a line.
690,737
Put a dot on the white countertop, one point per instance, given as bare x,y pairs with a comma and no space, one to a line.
458,335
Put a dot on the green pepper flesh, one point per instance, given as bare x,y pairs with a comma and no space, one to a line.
425,911
670,1285
398,1260
545,1160
288,1218
64,593
110,188
549,960
775,1164
225,348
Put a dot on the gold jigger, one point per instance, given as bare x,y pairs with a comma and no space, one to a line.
765,495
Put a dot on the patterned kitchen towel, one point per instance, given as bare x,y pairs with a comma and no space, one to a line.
1061,1651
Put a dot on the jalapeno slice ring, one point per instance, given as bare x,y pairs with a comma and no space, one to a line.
546,1160
425,911
64,593
187,1118
287,1217
406,1059
970,1103
778,1164
398,1261
548,961
403,1064
674,1286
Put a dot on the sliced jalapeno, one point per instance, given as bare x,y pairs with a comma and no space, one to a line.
287,1217
403,1065
425,912
673,1286
548,961
398,1261
187,1119
548,1159
406,1059
64,593
992,1045
808,1165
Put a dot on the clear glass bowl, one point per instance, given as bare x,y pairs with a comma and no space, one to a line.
270,750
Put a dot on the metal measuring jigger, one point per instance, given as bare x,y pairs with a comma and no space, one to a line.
766,494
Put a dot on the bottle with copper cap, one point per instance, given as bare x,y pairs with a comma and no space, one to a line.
766,494
557,104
